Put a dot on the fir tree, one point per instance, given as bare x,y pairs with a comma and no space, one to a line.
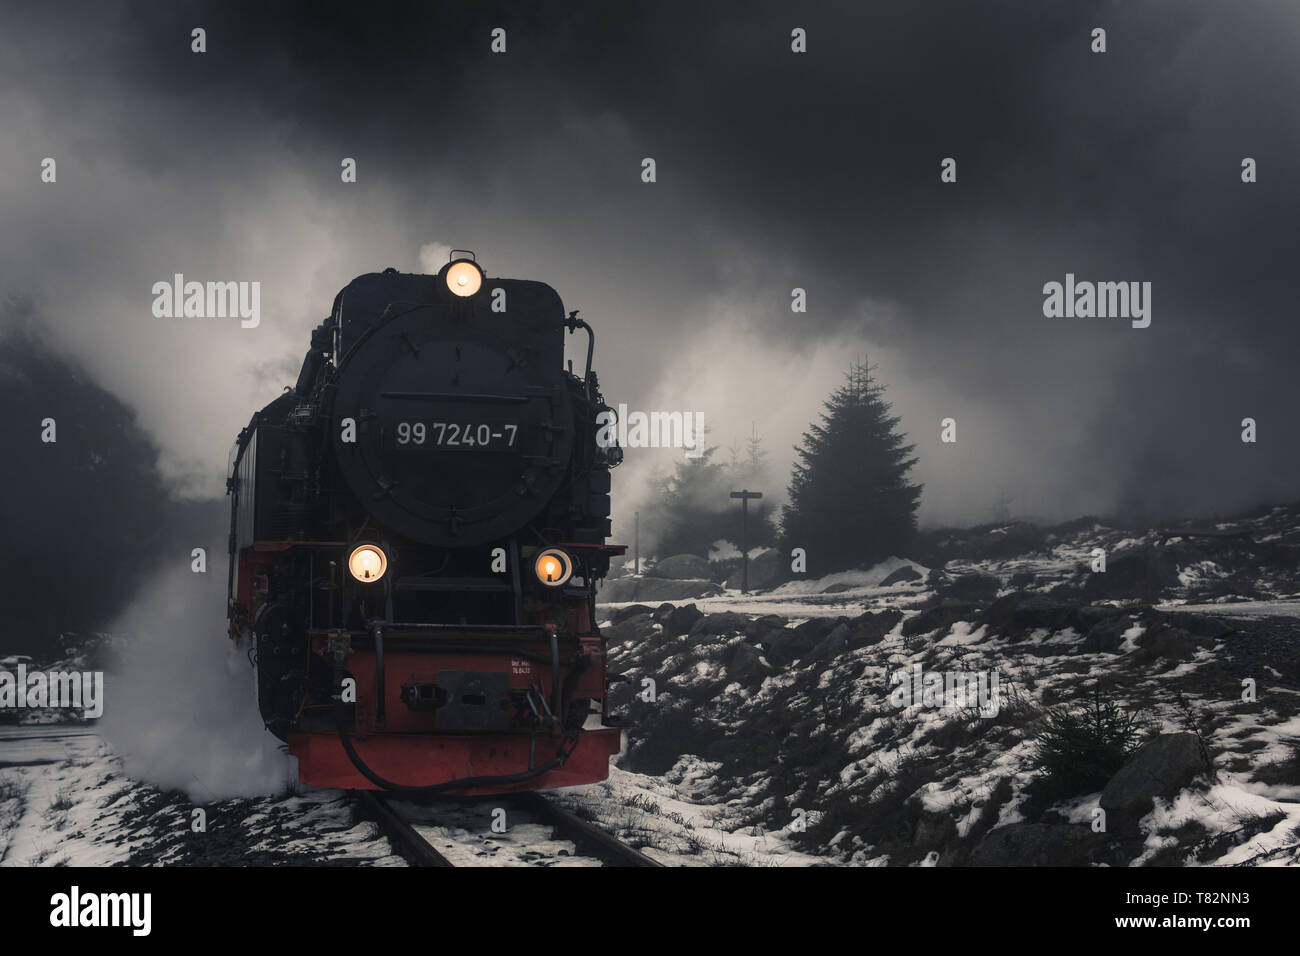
689,508
695,509
850,501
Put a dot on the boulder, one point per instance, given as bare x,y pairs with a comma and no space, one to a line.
655,589
1106,635
1161,767
1035,844
815,628
680,567
870,628
765,569
1015,615
746,665
1022,579
944,614
759,626
900,576
832,645
780,647
974,587
724,622
1197,625
1162,641
680,620
1091,615
1143,573
934,830
636,628
725,749
790,644
623,613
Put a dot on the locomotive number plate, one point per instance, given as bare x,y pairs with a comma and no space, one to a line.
481,435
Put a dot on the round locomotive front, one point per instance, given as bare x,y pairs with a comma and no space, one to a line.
457,436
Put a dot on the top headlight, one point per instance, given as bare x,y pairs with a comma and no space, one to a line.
464,277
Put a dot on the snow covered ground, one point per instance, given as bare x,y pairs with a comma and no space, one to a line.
889,785
747,757
64,800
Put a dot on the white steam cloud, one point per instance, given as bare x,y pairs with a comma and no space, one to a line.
181,705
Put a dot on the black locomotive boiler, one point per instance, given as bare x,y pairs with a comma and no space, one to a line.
417,529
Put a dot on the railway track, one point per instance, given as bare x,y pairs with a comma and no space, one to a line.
529,830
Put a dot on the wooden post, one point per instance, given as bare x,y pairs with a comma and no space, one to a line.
745,497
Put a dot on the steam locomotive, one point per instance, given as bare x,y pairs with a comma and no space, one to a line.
417,528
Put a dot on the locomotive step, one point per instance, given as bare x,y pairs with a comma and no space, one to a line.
453,584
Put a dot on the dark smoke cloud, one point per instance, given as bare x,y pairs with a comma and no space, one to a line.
775,171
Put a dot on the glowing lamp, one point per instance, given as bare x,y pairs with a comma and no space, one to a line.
367,563
464,278
553,567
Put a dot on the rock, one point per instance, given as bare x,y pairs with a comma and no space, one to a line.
746,665
724,749
623,613
1170,643
933,830
974,587
1022,579
680,567
781,648
636,628
1134,573
1091,615
1015,615
1197,625
1035,844
663,612
832,645
655,589
900,576
816,628
790,644
1106,635
1240,584
724,622
1160,768
944,614
839,588
870,628
681,619
756,628
764,571
766,568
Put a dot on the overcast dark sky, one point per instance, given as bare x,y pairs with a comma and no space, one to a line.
775,170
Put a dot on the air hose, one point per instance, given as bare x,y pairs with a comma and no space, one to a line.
451,785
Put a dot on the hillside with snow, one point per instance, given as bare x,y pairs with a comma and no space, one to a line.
780,705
